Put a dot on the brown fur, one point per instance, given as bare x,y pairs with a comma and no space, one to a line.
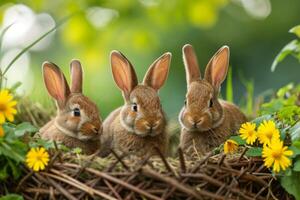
122,140
73,131
199,143
128,130
52,133
206,121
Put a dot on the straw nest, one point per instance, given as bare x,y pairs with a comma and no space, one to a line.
73,176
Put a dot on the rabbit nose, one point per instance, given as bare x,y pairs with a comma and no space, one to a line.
197,122
152,125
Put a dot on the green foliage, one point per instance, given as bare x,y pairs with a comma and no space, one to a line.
38,142
238,140
295,132
284,110
297,166
254,152
284,106
295,30
12,197
292,48
291,184
12,149
296,151
77,150
296,144
260,119
23,128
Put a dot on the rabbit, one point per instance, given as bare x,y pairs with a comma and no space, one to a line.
77,123
138,126
206,120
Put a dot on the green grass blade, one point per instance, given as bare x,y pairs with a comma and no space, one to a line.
249,85
33,43
2,35
229,87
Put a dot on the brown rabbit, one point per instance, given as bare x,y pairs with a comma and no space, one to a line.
206,121
139,125
77,123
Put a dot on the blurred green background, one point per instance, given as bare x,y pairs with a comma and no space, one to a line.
255,31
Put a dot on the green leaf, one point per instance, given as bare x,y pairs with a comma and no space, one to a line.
3,172
15,86
238,140
296,144
288,49
77,150
282,91
284,132
23,128
12,197
15,150
297,166
287,172
291,184
39,142
295,150
16,171
295,132
260,119
295,30
254,152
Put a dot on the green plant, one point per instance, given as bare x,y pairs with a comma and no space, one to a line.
284,111
24,50
292,48
11,197
13,149
229,87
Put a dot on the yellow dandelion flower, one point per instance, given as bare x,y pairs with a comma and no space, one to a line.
267,131
277,155
248,133
1,131
230,146
7,106
37,158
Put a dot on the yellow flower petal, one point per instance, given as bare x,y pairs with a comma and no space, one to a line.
230,146
2,118
37,159
7,106
248,133
276,154
267,131
10,117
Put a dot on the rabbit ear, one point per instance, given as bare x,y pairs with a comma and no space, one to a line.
76,76
123,72
158,72
191,64
56,83
217,67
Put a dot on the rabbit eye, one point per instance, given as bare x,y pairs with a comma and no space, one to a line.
76,112
134,107
211,103
185,102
